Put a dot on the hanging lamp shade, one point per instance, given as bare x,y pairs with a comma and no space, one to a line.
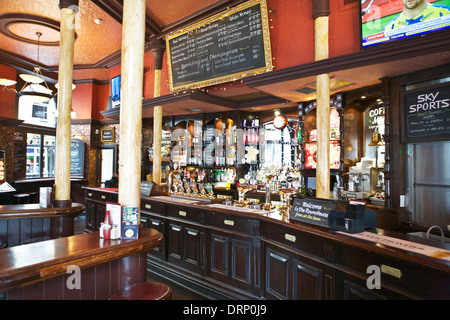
35,93
6,82
57,86
35,87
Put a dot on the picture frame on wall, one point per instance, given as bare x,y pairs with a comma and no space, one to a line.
107,135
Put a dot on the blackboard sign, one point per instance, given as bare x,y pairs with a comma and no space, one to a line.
146,188
77,148
19,155
313,211
209,143
222,48
427,114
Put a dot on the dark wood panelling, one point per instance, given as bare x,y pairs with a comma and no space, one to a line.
228,254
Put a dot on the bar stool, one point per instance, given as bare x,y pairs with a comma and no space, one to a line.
149,290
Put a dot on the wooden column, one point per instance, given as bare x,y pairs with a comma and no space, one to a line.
320,15
157,48
132,73
65,80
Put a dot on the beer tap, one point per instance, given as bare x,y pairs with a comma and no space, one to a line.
285,195
268,205
242,190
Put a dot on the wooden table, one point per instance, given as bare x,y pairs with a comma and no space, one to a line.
44,270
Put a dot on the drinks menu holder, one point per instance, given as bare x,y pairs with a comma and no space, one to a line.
130,223
120,222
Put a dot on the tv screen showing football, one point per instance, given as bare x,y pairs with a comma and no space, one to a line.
384,21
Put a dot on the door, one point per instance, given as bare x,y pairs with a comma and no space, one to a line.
107,165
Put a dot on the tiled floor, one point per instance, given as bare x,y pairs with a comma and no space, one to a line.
178,292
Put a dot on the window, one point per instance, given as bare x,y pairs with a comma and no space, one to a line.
40,161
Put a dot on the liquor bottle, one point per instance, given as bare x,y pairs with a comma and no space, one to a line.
182,175
196,176
303,187
188,175
257,122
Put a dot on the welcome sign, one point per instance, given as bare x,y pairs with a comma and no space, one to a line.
313,211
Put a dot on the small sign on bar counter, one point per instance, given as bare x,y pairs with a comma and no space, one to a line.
313,211
423,249
130,223
146,188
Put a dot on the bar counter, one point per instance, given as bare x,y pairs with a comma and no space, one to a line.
41,270
237,253
25,223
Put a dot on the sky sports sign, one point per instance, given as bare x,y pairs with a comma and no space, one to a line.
427,113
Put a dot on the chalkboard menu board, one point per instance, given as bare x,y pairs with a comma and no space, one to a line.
427,114
77,148
313,211
209,143
222,48
19,155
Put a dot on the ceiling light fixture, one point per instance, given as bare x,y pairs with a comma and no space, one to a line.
6,83
35,87
57,86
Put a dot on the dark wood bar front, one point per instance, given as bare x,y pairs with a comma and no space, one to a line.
231,253
20,224
105,266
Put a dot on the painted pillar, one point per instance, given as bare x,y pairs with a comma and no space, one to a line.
68,8
157,48
321,12
132,74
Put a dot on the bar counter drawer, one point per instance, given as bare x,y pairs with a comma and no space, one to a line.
153,206
187,213
101,196
290,237
235,223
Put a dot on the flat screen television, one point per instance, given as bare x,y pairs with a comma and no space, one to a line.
115,89
385,21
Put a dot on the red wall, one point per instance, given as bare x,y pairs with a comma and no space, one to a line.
82,98
7,100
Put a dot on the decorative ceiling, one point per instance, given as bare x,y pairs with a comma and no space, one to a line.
98,44
98,30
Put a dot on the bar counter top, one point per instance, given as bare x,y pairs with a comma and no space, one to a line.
341,237
32,210
21,265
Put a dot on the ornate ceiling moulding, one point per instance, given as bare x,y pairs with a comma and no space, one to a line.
10,26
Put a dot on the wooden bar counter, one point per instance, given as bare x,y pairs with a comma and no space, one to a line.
28,223
228,252
41,270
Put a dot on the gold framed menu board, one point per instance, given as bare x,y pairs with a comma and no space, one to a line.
224,47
